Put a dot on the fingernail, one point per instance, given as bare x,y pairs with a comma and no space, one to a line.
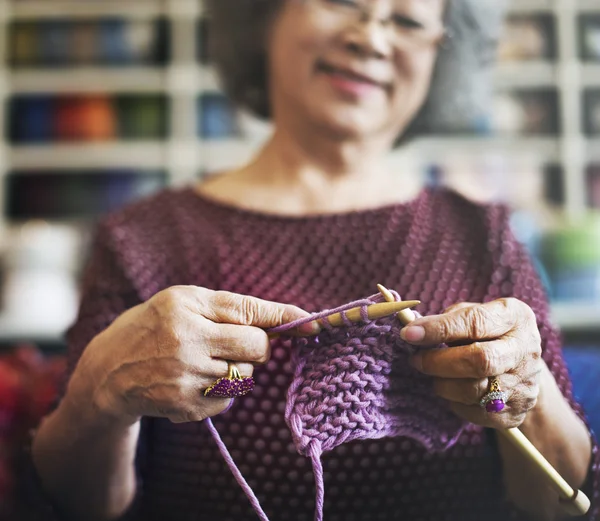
416,361
310,328
413,333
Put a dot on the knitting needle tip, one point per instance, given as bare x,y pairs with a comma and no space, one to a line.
406,316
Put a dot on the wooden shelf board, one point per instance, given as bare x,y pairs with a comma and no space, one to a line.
35,9
88,80
88,155
530,6
590,74
545,148
536,73
576,315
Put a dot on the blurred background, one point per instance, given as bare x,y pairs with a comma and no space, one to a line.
106,101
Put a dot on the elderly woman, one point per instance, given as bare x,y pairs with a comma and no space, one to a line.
183,283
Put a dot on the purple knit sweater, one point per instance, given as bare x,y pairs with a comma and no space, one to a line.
439,248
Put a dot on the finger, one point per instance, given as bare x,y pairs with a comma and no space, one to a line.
183,400
476,360
232,308
469,391
505,419
239,343
214,369
200,410
478,322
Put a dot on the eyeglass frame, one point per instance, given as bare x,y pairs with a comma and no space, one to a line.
363,11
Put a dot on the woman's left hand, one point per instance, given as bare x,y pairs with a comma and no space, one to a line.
499,338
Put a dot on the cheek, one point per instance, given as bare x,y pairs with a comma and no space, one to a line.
413,80
293,55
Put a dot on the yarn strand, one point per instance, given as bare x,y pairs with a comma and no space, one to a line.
235,471
362,303
317,464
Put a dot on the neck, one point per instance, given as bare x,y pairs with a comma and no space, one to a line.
285,159
314,175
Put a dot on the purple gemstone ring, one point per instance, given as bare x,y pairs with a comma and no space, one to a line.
232,385
495,399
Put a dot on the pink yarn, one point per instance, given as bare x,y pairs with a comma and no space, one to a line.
355,383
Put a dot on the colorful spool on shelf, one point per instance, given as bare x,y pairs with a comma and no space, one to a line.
74,194
45,119
108,41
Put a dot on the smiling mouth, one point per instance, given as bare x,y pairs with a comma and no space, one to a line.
350,75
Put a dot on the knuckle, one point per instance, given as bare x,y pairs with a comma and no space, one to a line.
167,299
222,300
476,390
248,310
477,321
513,307
513,421
536,342
482,360
241,309
258,351
446,329
530,401
185,416
164,307
196,415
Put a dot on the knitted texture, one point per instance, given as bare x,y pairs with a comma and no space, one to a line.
356,383
439,248
353,382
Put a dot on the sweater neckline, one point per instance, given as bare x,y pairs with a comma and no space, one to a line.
239,211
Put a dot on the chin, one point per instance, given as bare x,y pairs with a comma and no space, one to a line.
352,124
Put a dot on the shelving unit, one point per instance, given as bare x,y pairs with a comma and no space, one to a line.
184,155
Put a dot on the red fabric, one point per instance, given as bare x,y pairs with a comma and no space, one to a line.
439,248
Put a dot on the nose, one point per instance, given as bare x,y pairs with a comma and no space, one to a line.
369,38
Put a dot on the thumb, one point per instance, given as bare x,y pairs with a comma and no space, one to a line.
233,308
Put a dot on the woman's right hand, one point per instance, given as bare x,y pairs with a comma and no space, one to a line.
157,358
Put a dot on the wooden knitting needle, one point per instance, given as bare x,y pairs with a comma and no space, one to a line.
374,311
573,502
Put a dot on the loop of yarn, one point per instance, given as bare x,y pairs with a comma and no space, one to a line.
354,382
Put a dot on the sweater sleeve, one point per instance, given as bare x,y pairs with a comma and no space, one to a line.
106,292
514,275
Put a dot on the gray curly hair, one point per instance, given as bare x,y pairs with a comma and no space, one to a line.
460,93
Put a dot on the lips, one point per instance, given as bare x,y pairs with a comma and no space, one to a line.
351,74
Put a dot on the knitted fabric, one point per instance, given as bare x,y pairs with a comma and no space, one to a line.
439,248
355,383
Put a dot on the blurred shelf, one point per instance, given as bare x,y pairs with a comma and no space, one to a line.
75,80
13,334
546,148
590,74
191,79
588,5
222,153
576,315
88,80
36,9
135,9
145,154
155,153
593,150
527,74
207,78
530,6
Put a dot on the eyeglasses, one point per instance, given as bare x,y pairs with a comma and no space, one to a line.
407,30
